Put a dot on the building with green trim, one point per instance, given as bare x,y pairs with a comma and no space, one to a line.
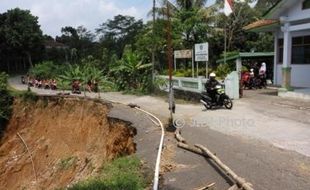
289,21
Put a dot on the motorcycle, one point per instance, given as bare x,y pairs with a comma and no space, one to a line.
76,87
249,82
221,99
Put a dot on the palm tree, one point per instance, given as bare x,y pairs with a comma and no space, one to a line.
190,4
190,17
178,6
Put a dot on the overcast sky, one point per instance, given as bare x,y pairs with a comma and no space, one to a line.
54,14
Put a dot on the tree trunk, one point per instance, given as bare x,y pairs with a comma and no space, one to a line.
240,181
29,59
16,65
8,65
201,150
24,64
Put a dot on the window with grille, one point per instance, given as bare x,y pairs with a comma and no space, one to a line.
306,4
300,50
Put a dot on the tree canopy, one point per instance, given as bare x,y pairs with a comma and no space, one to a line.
20,35
116,40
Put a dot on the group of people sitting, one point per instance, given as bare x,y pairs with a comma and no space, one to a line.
91,86
39,83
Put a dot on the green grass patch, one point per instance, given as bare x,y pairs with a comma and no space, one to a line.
14,92
25,95
28,96
124,173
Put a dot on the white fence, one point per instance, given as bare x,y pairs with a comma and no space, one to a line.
184,83
198,84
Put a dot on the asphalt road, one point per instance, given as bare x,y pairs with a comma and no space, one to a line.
265,139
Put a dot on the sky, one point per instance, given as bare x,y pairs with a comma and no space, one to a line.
55,14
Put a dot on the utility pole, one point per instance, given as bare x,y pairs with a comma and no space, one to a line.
225,43
153,47
170,61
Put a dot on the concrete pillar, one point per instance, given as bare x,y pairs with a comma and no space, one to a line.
200,84
276,59
239,66
287,55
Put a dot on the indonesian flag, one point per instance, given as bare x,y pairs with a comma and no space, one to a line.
228,7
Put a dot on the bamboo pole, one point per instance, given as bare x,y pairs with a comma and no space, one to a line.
179,137
234,187
192,149
210,186
201,150
240,181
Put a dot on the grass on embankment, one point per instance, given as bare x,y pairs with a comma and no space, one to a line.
26,95
122,173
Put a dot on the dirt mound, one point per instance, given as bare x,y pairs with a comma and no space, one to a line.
69,140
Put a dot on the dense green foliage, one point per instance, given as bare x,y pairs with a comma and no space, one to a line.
47,70
131,74
21,39
6,101
122,173
121,48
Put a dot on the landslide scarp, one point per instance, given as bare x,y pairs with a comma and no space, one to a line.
69,140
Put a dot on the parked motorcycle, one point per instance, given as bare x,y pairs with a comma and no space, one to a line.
249,82
221,99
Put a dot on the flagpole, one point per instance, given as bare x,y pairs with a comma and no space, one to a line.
153,47
225,43
228,4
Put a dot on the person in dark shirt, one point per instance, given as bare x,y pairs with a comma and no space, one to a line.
211,87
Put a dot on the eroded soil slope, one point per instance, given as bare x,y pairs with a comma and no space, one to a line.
69,140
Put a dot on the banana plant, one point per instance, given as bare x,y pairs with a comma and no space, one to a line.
130,70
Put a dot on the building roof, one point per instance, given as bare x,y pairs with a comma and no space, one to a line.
272,8
281,6
271,17
247,55
262,25
53,44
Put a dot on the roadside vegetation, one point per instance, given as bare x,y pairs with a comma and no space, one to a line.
119,52
6,102
121,173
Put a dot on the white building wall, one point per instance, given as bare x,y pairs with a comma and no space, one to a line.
300,75
296,12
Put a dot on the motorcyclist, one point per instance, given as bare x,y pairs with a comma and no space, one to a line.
211,87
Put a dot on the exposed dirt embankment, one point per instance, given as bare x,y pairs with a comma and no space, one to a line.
69,140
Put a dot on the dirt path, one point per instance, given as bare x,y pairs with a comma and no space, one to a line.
248,138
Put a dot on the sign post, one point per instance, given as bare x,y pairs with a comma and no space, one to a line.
182,54
202,55
193,65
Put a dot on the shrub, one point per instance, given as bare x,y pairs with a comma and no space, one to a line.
131,73
223,70
28,96
47,70
6,101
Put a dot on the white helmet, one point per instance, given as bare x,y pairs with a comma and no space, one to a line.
212,75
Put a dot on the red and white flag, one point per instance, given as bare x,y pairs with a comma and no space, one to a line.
228,7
